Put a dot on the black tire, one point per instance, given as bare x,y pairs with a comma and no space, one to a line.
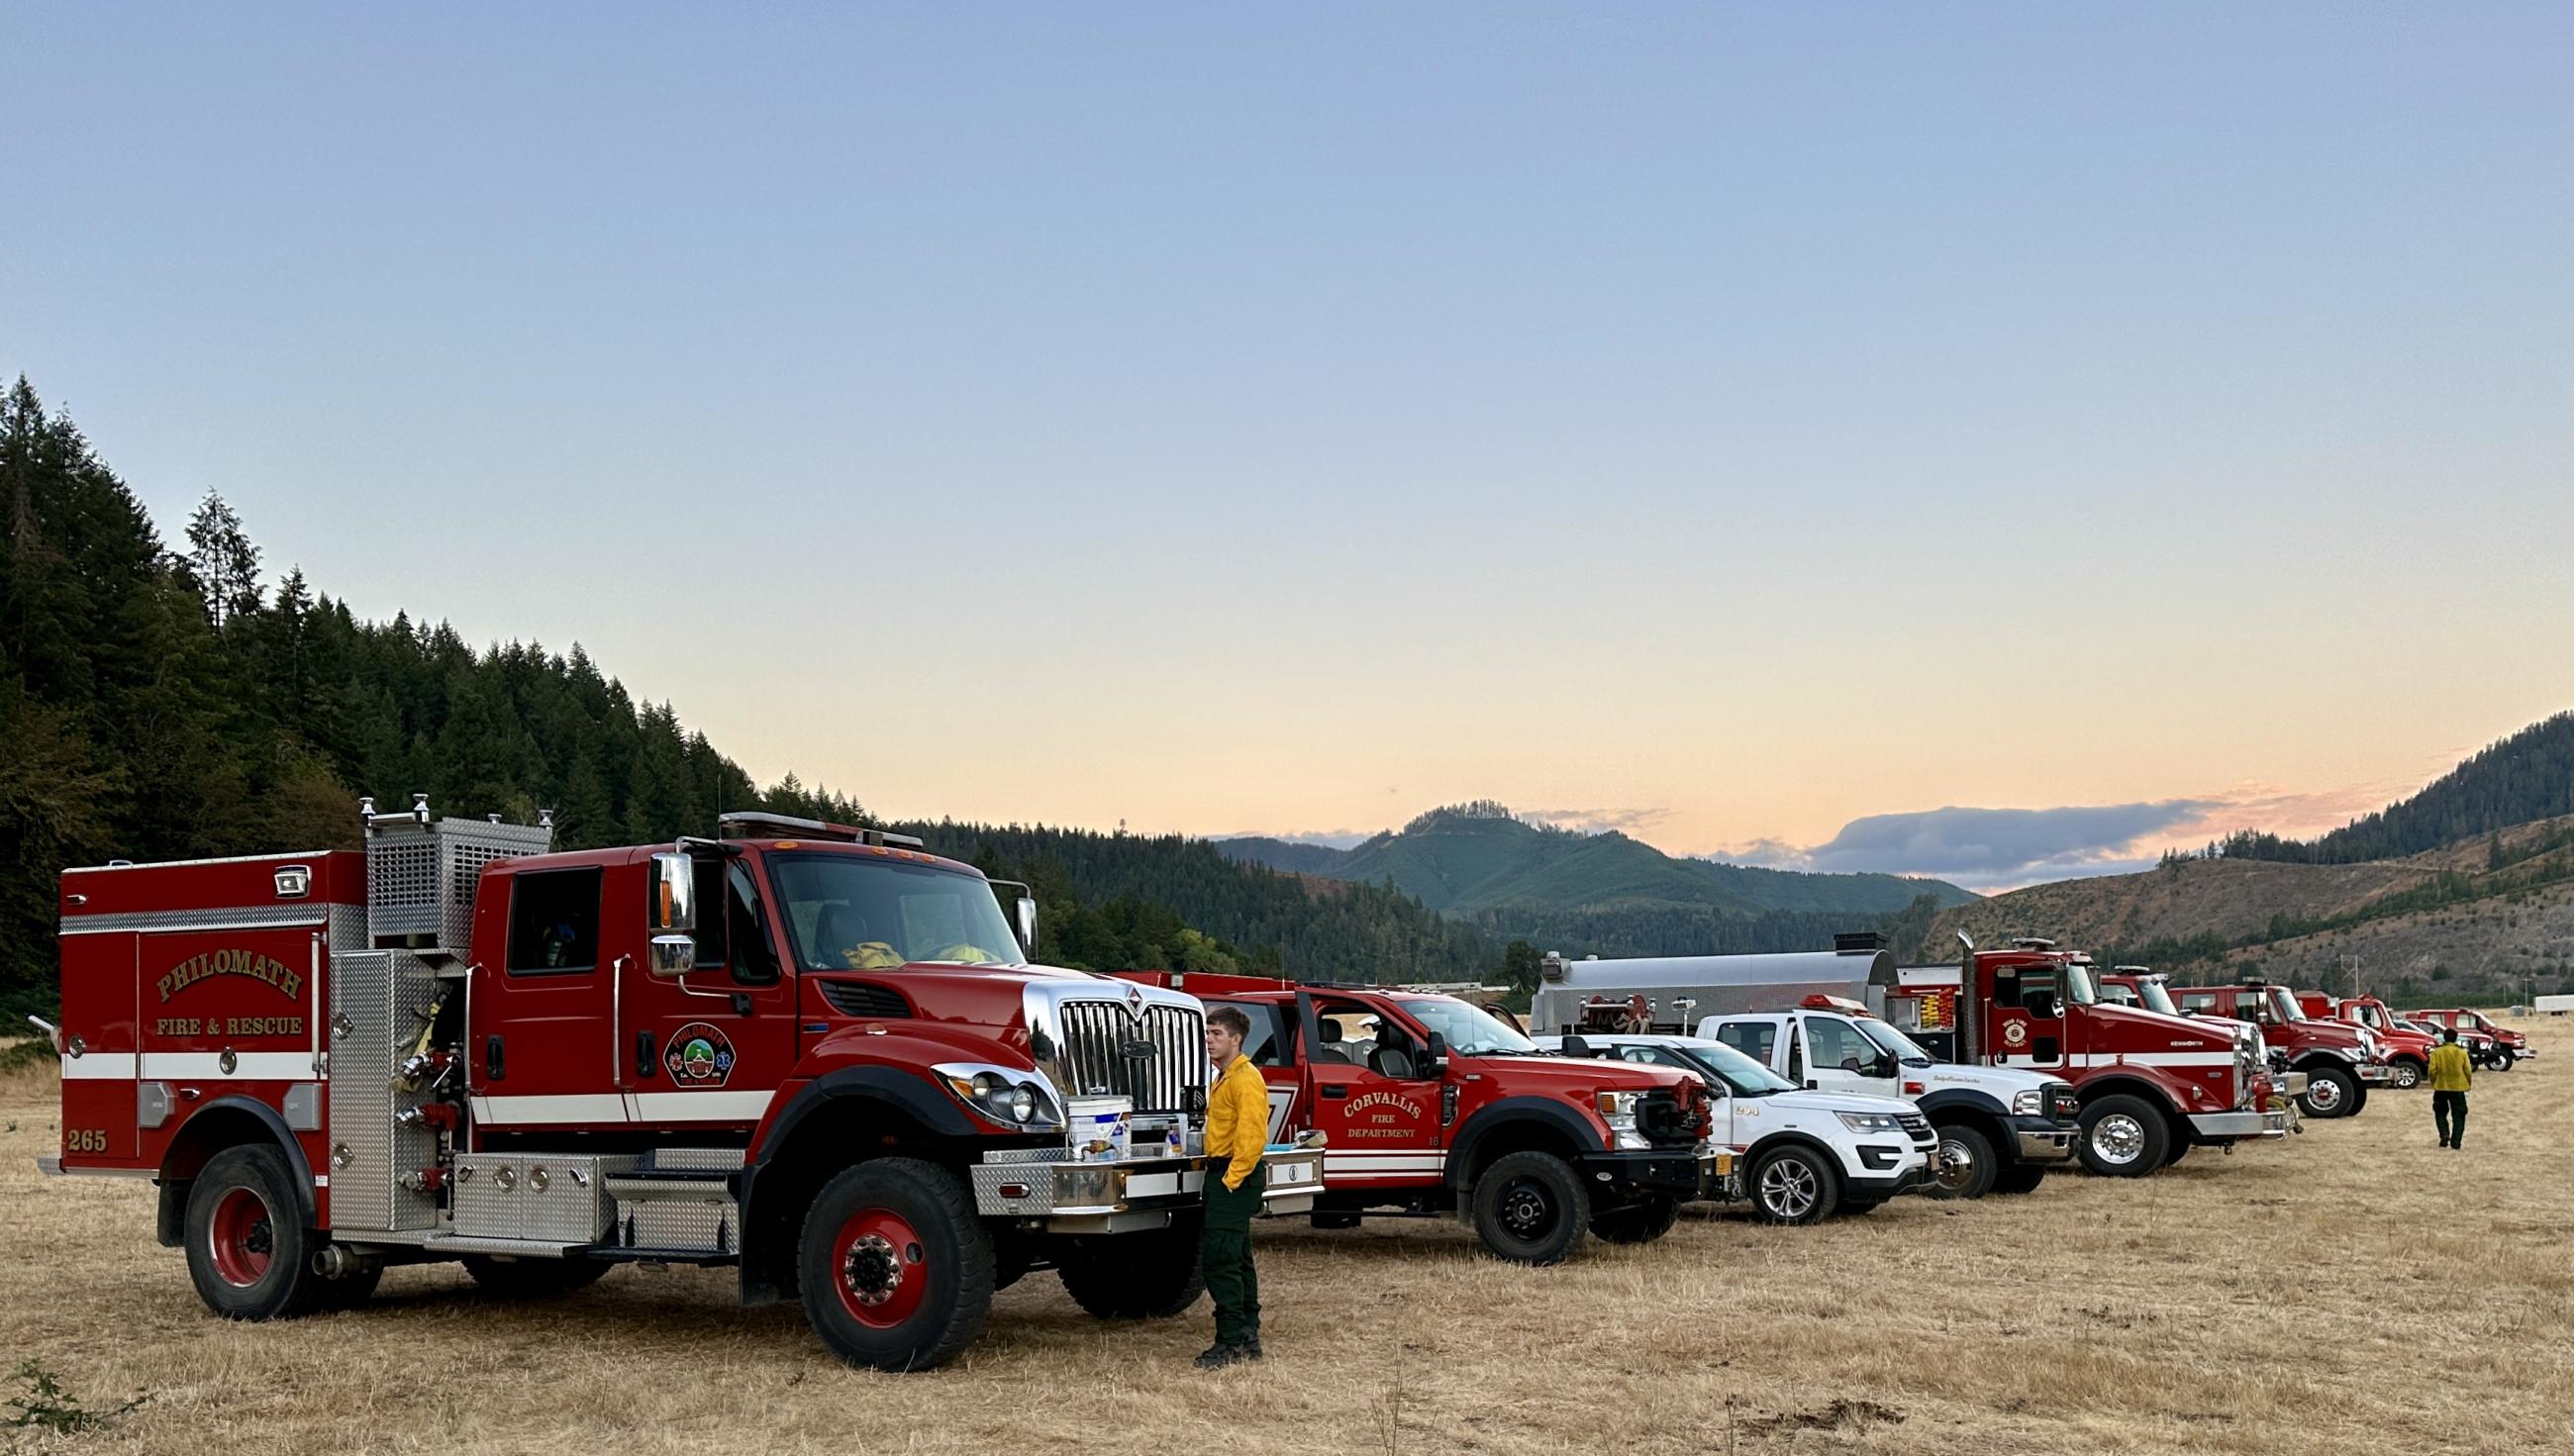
2503,1058
1529,1209
1794,1184
1639,1224
2331,1091
895,1269
1135,1275
533,1278
249,1253
2179,1150
1963,1164
2408,1073
2359,1103
2123,1138
2019,1178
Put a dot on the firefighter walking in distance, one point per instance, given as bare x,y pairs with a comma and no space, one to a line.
2451,1075
1236,1134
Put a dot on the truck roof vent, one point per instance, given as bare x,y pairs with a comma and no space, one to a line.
1859,942
750,825
864,998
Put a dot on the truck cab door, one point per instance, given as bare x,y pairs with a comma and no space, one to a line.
1373,1097
2029,1017
1759,1038
1839,1057
711,1047
542,1000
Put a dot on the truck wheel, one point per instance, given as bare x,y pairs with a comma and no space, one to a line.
1793,1185
2123,1138
1963,1164
1641,1224
1529,1209
2503,1057
2359,1102
2331,1092
896,1271
1135,1275
2407,1074
2019,1178
249,1253
2179,1150
533,1278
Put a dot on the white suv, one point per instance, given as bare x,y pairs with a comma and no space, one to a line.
1803,1154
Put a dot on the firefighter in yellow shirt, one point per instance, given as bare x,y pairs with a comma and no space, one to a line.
2451,1075
1237,1132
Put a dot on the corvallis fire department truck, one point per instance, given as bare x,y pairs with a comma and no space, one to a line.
810,1051
2151,1086
1427,1104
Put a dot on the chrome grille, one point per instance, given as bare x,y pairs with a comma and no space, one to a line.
1154,1059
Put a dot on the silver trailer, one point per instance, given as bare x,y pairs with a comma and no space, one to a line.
1672,994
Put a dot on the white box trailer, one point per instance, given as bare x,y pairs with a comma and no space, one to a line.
2553,1005
1673,993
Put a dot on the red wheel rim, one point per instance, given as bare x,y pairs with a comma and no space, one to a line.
243,1238
882,1268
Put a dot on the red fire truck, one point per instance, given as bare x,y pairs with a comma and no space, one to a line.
2409,1052
2507,1046
2341,1059
1429,1105
2151,1086
808,1051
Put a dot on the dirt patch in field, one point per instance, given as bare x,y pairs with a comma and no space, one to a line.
2354,1289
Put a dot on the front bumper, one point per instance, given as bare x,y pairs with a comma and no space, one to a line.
2375,1072
2228,1126
2042,1139
1070,1196
1700,1173
2292,1085
1873,1187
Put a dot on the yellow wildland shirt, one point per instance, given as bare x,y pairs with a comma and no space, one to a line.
1237,1121
2450,1070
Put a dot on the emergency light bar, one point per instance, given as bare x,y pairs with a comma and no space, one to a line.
1822,1002
786,826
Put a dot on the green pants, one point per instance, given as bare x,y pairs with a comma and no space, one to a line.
2449,1115
1226,1250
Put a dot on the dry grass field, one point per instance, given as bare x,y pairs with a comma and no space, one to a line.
2352,1290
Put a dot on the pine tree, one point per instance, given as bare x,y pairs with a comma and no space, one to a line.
223,562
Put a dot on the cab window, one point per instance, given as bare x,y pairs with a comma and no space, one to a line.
1754,1039
1352,1031
1831,1043
1267,1042
2201,1003
554,922
730,934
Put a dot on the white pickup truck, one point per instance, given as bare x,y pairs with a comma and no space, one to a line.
1803,1154
1999,1128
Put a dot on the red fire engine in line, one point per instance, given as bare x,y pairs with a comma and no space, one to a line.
2506,1045
2409,1052
2341,1059
1429,1105
810,1051
2151,1086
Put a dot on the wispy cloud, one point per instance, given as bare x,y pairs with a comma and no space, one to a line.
1596,821
2004,848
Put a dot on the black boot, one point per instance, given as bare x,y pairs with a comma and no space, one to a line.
1219,1355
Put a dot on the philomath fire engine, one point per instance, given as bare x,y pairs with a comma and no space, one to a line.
808,1051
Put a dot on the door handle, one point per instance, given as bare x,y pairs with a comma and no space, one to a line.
492,1071
1333,1090
644,1059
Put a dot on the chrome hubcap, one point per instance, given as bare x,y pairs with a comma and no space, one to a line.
2119,1138
872,1272
1952,1167
1788,1188
2324,1093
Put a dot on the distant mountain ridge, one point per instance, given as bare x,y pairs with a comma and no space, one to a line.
1479,861
2520,780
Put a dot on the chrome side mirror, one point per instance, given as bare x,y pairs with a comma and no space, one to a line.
1028,927
674,897
673,957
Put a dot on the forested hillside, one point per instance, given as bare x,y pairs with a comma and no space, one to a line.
2523,778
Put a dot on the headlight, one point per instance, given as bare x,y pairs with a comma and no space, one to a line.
1871,1122
1617,1109
1011,1098
2031,1103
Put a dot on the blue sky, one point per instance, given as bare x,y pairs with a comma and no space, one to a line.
1747,421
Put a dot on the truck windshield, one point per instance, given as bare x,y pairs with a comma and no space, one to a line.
1745,1077
848,914
2158,998
2284,1006
1467,1030
1893,1042
2078,985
